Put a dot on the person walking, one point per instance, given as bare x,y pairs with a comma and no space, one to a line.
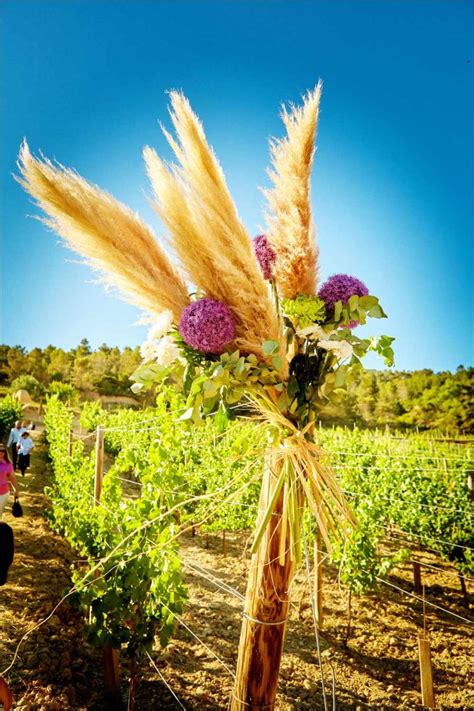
13,439
7,477
25,445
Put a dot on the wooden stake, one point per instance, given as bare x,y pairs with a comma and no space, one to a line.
318,579
426,673
110,654
111,671
69,444
99,464
470,483
6,697
417,576
464,590
266,610
349,619
224,546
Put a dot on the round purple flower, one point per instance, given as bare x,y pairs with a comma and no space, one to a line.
340,287
207,325
265,255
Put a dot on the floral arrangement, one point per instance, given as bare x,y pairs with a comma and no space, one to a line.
255,331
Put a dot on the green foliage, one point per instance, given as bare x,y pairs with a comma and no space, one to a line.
29,383
213,478
10,412
65,392
137,589
410,485
219,385
420,399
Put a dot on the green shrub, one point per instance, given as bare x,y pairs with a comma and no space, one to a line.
29,383
10,412
66,392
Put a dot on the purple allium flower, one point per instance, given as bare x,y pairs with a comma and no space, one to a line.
207,325
265,255
340,287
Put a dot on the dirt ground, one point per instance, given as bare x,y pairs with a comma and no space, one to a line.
55,670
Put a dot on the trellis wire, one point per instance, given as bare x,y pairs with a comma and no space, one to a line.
371,467
427,602
417,535
316,631
451,573
407,500
392,455
164,680
203,644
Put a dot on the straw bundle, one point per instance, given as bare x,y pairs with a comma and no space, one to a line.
109,235
290,227
206,233
303,475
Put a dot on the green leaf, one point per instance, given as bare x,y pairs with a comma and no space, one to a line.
353,302
377,312
367,302
276,360
340,379
270,347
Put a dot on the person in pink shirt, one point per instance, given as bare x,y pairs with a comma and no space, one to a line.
7,477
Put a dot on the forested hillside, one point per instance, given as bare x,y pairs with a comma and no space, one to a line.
420,399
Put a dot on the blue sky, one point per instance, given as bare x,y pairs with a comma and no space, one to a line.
85,82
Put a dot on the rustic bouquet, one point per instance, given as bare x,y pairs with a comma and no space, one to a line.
240,326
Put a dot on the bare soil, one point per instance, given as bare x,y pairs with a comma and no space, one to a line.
55,670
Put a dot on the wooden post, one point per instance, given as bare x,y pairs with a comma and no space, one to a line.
349,619
470,483
426,673
266,610
318,579
463,590
112,671
417,577
69,444
6,697
224,546
110,654
99,464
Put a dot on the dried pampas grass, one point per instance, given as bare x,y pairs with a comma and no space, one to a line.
109,235
207,235
290,227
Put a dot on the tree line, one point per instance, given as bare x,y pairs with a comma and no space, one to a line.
399,399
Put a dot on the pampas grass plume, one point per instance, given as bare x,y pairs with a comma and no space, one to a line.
290,231
206,233
106,233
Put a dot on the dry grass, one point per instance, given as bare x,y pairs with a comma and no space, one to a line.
206,233
304,474
109,235
291,231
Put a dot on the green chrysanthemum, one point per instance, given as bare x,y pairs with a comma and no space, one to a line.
304,310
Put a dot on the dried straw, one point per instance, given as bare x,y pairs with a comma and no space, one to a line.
304,475
109,235
207,235
291,231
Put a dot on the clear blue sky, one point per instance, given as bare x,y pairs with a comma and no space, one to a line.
85,80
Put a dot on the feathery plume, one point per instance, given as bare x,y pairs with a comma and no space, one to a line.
291,231
107,233
206,233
